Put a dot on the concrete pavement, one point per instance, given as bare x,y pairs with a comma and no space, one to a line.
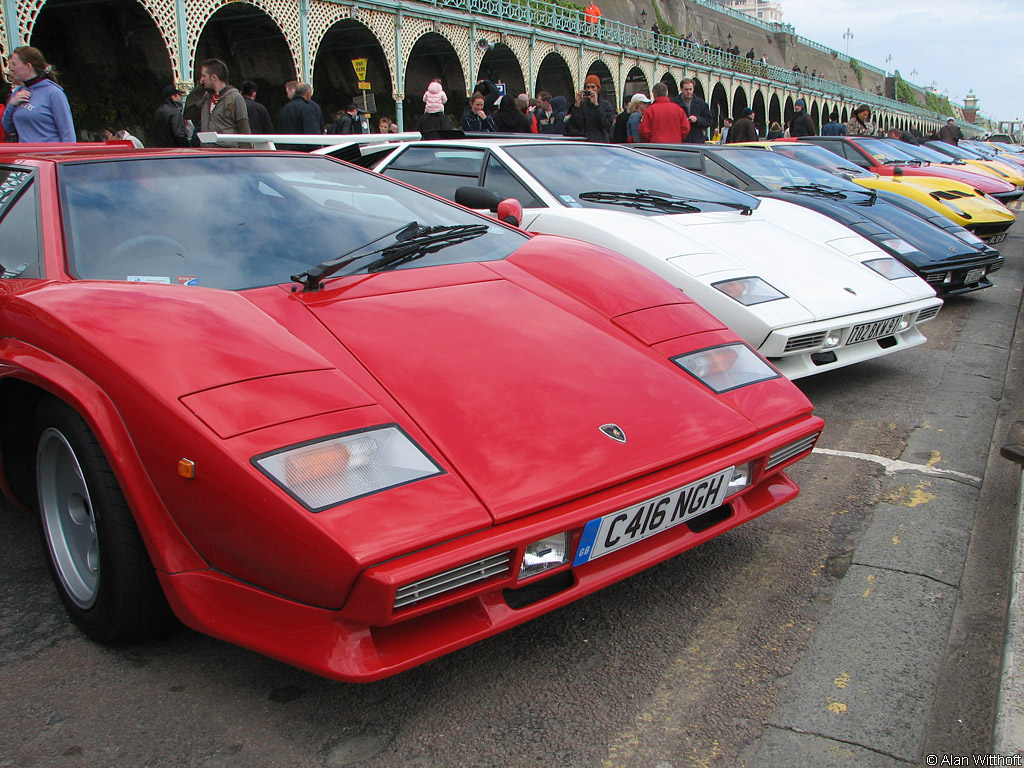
909,650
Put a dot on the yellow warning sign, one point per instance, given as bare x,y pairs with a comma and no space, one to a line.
365,86
359,65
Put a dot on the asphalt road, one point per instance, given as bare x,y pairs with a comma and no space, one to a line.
859,625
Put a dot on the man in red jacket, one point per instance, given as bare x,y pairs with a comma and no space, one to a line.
664,122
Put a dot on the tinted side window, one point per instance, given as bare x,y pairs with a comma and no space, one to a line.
440,170
724,175
501,182
853,155
19,224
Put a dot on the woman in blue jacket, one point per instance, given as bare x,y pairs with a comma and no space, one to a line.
39,110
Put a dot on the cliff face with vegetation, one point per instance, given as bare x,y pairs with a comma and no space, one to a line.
782,49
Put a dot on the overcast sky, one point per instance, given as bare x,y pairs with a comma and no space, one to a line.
956,44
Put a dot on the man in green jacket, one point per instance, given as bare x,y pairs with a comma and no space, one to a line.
222,109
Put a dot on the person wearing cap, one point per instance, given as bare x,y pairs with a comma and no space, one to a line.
950,132
664,122
696,110
744,129
168,122
590,116
637,107
801,124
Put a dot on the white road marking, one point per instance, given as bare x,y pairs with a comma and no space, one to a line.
895,465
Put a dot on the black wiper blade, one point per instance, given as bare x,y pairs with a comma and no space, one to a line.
311,279
426,240
647,199
652,199
815,189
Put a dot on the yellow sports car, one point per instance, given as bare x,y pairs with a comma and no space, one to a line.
959,202
941,152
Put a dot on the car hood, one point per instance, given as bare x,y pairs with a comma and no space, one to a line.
506,378
513,389
782,243
976,179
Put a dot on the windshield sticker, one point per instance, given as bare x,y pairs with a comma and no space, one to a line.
570,201
188,280
148,279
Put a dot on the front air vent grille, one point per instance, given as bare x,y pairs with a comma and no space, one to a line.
470,573
928,313
789,451
936,279
806,341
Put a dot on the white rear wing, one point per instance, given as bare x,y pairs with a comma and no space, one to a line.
270,140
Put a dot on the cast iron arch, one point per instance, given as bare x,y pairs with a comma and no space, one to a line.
433,57
334,78
77,39
636,82
554,76
252,46
500,66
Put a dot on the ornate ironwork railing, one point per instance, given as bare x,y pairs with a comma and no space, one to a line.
537,13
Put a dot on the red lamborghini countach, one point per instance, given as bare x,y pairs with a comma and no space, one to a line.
314,412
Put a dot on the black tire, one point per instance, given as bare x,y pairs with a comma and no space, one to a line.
94,550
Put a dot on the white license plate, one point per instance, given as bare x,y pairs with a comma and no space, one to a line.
628,526
975,275
875,330
997,238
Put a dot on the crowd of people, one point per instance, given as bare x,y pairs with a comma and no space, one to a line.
37,110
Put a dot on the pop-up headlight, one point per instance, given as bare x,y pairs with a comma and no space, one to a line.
889,268
727,367
898,244
341,468
749,290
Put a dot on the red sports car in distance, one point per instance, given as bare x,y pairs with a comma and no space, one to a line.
325,416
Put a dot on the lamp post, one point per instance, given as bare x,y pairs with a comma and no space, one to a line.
643,19
888,61
729,40
847,36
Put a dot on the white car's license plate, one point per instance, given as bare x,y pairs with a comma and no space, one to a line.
628,526
975,275
997,238
875,330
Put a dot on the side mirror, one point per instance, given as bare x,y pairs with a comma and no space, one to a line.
897,171
477,198
510,211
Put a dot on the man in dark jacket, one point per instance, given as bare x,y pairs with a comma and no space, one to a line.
259,116
950,132
590,116
697,110
744,129
299,116
168,123
801,124
833,127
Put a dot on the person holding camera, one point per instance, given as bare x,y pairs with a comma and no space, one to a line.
590,116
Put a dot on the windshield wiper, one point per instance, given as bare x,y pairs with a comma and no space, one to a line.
653,200
426,240
411,242
312,278
815,189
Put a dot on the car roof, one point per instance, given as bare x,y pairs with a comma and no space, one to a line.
59,153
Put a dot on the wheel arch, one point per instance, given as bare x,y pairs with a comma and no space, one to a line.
29,374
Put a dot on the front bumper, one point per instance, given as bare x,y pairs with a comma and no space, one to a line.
369,638
799,350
